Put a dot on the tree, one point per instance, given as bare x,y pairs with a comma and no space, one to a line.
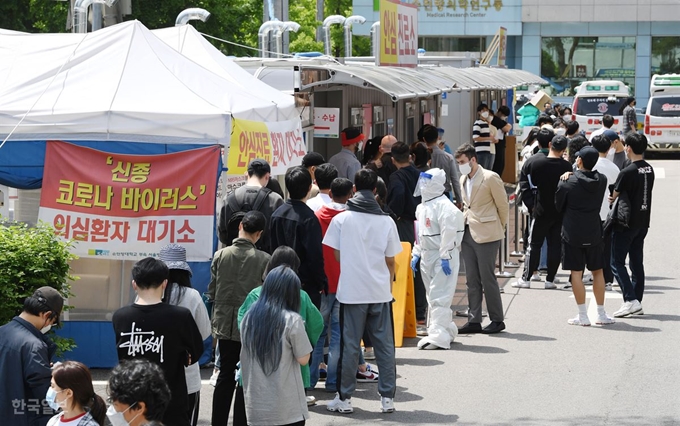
32,258
564,62
34,16
548,66
666,50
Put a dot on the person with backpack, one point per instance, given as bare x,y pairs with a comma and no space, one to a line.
254,195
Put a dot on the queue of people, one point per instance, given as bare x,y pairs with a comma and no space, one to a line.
318,272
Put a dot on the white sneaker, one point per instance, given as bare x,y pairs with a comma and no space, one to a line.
628,308
213,378
536,277
588,279
550,285
608,287
604,319
340,406
311,401
580,320
636,309
520,283
387,405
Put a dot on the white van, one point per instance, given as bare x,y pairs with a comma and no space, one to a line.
596,98
662,116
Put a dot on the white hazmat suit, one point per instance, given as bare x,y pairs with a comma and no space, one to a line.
440,233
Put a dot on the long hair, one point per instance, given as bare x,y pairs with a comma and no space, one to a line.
178,282
75,376
280,293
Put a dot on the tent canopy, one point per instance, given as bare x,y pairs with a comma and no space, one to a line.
121,83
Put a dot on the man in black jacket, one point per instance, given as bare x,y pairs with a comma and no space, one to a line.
295,225
540,176
579,198
26,355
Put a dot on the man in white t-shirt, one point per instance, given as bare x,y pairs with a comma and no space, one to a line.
607,123
607,168
323,176
365,242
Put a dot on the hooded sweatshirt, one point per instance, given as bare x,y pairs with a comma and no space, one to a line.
331,266
579,199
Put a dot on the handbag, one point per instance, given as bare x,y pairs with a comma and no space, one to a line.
619,214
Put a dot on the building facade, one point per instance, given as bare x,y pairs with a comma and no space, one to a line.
564,42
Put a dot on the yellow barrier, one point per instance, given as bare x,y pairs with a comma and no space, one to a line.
404,306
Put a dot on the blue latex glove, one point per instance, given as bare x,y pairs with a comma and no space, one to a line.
414,263
446,267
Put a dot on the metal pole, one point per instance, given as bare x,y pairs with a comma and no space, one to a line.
502,273
97,9
518,217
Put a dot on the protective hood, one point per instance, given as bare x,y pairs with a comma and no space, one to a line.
589,180
431,184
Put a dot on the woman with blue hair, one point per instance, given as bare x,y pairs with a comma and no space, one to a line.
271,356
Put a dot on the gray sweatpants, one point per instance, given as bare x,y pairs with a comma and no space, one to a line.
377,319
480,273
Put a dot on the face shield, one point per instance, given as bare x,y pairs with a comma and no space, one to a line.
423,182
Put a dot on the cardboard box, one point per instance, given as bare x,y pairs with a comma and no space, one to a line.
540,99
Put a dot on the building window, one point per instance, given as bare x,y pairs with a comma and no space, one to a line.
665,55
452,44
568,61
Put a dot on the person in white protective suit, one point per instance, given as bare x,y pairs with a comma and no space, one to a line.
440,233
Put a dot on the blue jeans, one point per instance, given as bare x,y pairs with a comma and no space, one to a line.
485,159
631,243
330,311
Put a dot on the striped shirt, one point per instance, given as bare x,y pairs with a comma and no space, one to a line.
480,129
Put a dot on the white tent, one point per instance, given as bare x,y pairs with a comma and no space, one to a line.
190,43
120,83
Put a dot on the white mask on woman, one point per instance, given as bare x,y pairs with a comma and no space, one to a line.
485,114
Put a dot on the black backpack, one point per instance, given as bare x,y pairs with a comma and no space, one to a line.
239,209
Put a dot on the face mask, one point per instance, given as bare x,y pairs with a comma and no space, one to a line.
116,417
465,169
561,131
359,146
485,114
51,399
611,152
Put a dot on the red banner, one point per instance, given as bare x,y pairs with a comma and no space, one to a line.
120,206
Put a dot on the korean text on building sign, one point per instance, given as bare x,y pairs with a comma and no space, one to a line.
125,206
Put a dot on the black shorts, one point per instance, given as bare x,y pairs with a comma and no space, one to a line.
577,258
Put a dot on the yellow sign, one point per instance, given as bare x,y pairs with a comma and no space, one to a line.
398,34
502,45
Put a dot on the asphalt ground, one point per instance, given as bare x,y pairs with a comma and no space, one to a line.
542,371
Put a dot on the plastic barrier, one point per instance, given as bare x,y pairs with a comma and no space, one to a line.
404,306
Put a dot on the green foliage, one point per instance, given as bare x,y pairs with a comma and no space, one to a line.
35,16
32,258
548,66
665,51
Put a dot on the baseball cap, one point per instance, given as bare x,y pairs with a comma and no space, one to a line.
611,135
312,159
259,167
559,143
589,157
51,298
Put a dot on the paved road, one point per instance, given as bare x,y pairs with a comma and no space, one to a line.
542,371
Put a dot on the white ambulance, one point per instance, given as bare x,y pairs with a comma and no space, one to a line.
662,116
596,98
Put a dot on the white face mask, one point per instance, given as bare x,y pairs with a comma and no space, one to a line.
610,153
485,114
561,131
51,398
465,169
116,417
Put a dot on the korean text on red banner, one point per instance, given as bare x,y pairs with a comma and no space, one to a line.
118,206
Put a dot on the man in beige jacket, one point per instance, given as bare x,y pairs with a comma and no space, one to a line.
486,214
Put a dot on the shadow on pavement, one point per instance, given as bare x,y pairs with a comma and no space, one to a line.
658,279
624,326
657,317
460,346
659,288
402,417
523,337
421,362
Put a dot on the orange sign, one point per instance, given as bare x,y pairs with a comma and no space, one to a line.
398,34
120,206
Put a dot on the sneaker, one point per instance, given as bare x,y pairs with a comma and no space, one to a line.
608,287
567,285
628,308
421,331
520,283
322,374
369,354
580,320
213,378
604,319
340,406
501,289
387,405
550,285
536,277
311,401
588,279
367,376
